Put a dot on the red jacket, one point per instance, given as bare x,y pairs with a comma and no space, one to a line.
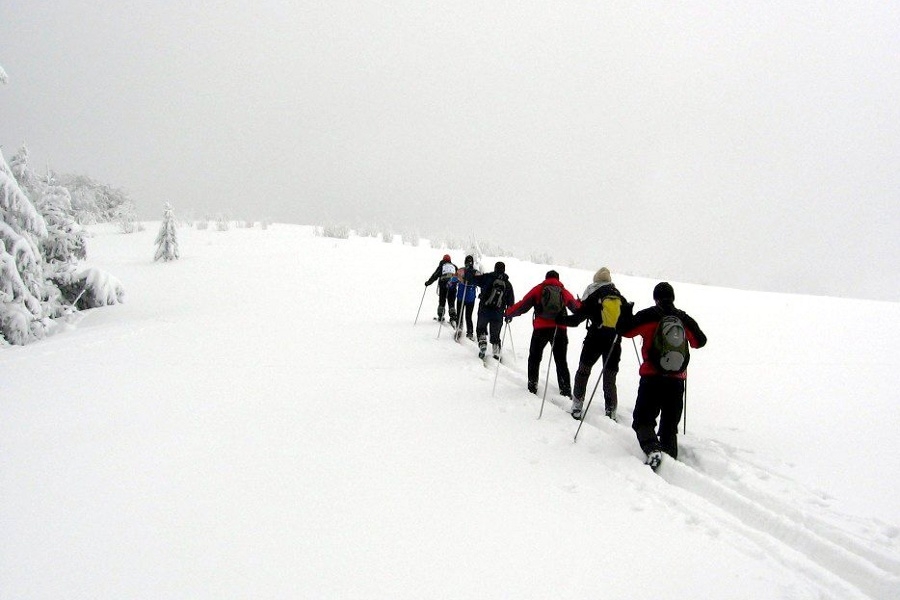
533,299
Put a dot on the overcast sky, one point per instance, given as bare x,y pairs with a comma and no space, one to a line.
751,144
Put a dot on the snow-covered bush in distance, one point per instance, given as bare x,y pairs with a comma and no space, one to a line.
341,232
411,238
387,236
367,230
126,217
541,258
222,223
202,224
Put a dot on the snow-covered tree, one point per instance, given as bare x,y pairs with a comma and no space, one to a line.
167,239
22,281
65,241
126,216
28,181
92,201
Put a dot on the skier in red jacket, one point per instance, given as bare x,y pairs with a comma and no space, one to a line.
549,300
663,372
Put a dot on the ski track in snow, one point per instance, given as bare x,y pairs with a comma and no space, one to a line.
713,486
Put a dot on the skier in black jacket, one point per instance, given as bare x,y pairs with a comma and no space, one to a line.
444,272
493,302
601,340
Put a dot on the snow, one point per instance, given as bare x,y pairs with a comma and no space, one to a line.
261,418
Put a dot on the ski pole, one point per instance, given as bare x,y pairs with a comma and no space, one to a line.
547,380
440,318
460,308
636,353
497,373
511,344
420,306
591,399
685,408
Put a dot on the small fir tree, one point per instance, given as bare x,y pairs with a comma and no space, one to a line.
167,240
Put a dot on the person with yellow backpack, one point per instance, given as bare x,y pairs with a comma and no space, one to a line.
602,306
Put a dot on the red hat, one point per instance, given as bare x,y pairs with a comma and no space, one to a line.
447,257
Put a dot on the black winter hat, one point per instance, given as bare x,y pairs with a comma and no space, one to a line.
664,291
551,274
470,260
500,267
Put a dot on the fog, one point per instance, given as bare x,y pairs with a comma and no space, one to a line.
754,146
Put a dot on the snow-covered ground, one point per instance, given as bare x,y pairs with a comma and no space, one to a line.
261,419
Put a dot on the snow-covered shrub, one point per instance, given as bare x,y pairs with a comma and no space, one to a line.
411,238
222,223
126,217
202,224
387,236
99,287
334,231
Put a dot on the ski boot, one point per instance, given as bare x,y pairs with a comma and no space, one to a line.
654,459
577,406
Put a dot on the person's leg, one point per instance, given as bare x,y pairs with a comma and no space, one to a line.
646,409
481,329
610,393
590,352
442,299
539,339
671,405
469,309
560,352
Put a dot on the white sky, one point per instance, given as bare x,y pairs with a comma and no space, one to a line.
753,145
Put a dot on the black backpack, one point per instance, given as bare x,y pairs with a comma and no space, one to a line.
669,350
496,294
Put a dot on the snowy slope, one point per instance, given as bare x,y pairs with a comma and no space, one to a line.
262,419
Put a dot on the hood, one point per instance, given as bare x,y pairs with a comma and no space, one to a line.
593,287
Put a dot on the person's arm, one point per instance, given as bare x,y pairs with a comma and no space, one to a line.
696,337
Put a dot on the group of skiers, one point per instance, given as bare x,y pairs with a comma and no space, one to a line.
667,334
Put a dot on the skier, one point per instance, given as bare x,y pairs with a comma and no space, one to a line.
465,297
601,305
550,300
442,275
665,355
496,296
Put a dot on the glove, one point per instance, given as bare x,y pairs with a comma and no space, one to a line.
426,284
507,319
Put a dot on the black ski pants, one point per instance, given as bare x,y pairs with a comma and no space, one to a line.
489,319
467,310
599,343
663,397
442,298
540,338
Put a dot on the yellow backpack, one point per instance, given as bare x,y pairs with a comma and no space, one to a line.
610,309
